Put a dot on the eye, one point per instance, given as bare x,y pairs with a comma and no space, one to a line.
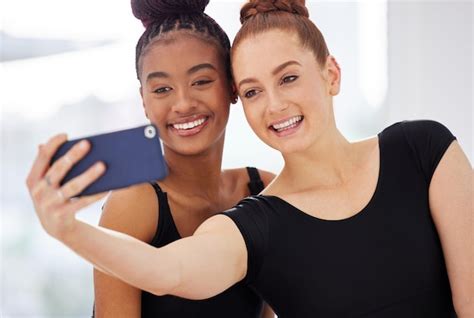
250,93
288,79
162,90
201,82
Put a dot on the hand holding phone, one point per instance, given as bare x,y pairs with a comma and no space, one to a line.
131,156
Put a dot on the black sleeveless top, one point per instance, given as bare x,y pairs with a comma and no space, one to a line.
238,301
384,262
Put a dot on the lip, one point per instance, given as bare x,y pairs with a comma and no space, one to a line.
189,132
283,120
187,119
289,131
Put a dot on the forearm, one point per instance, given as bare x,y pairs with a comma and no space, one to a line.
124,257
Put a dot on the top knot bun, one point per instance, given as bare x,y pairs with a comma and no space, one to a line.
149,11
254,7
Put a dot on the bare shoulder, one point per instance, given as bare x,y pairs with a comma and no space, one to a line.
242,175
365,154
267,176
133,210
365,146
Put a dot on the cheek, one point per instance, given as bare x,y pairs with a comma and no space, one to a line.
218,98
311,98
223,91
156,112
254,117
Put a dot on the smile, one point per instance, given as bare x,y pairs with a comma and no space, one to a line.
190,124
287,124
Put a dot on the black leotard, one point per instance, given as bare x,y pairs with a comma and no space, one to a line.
386,261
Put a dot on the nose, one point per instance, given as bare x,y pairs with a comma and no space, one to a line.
275,103
184,102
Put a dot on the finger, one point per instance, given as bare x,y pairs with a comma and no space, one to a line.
37,191
41,162
82,181
61,166
54,197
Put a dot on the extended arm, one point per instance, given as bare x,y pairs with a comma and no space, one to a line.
197,267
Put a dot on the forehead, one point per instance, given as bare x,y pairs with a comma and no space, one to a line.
261,53
177,52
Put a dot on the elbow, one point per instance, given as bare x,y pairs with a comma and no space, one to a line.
160,289
165,285
157,292
164,280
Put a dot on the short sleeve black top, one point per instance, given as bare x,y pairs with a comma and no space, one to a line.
385,261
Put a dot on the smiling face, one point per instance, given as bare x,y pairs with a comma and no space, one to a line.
286,94
186,92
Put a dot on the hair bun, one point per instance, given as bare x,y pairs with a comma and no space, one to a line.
254,7
149,11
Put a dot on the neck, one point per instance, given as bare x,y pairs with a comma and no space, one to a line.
198,174
324,164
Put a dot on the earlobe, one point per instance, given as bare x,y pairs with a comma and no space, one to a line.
234,95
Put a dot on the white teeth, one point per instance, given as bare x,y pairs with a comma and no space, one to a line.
190,124
290,123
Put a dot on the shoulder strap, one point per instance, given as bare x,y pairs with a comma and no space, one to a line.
255,184
157,188
165,219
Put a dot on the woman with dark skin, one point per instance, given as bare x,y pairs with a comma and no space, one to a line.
375,228
184,73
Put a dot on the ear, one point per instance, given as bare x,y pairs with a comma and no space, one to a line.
333,75
234,97
143,101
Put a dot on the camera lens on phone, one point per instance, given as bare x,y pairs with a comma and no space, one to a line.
150,132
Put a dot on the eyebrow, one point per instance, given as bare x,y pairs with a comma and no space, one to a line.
274,72
199,67
192,70
157,75
283,66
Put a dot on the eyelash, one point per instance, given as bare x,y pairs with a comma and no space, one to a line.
288,79
202,82
284,80
162,90
246,94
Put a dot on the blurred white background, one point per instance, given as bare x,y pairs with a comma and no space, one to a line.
68,66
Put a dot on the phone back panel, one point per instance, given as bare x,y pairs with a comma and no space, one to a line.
131,156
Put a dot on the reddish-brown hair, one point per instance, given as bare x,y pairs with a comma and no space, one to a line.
258,16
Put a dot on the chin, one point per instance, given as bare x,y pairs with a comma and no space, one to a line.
290,147
191,150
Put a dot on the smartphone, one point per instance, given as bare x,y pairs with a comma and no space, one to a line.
131,156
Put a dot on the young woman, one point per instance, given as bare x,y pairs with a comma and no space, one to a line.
376,228
183,66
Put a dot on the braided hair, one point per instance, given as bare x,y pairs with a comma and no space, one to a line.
161,17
